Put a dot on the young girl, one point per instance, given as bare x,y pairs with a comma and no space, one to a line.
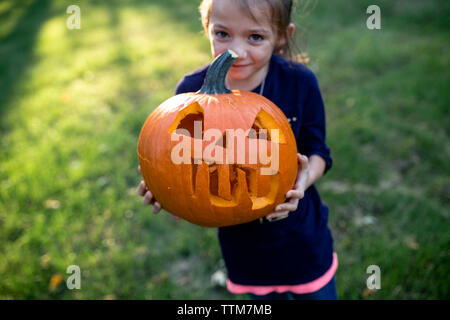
289,253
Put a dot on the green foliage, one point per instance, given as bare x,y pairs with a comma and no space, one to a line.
72,103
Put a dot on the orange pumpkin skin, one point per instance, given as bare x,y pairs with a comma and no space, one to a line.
216,194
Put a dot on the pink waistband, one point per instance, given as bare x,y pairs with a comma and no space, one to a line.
298,288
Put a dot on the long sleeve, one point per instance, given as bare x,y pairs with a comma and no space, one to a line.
313,128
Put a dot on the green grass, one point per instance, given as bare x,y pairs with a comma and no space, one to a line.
72,103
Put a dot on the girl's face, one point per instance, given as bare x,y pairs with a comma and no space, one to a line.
231,27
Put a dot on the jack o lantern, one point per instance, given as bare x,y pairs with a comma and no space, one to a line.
218,157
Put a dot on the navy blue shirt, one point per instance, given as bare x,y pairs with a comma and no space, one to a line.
299,248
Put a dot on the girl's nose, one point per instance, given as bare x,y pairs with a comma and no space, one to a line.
240,50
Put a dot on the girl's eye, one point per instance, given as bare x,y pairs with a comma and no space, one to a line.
221,34
256,38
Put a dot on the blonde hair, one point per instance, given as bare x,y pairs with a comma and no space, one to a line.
280,11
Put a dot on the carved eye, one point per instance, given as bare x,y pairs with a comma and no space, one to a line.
262,128
186,119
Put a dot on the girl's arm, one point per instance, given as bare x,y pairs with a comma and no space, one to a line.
311,141
316,169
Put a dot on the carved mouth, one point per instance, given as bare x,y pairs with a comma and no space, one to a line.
229,183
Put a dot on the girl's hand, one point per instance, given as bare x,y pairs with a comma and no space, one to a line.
294,195
149,199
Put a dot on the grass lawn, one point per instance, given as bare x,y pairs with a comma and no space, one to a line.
72,103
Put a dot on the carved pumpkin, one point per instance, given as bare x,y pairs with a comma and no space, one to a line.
202,154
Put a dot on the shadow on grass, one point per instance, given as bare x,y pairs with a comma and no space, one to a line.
16,49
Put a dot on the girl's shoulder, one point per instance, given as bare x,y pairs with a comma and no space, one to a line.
193,81
291,71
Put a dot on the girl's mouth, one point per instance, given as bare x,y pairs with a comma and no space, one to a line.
238,66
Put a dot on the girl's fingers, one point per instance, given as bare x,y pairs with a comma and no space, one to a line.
283,209
147,195
148,198
277,215
156,207
289,206
303,164
297,194
141,189
294,202
303,161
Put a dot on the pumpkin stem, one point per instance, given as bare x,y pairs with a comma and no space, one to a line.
214,82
